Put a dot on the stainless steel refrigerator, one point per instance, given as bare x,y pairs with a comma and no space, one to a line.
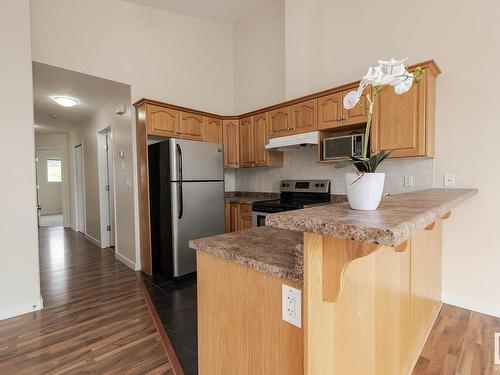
186,197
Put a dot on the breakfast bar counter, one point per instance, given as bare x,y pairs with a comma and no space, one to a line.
370,284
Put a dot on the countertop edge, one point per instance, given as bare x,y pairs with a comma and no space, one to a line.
244,261
391,237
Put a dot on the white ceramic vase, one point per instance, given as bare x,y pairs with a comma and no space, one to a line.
364,192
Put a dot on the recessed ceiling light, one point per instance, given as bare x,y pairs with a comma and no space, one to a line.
54,115
66,101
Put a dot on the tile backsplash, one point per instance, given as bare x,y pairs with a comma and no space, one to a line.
302,164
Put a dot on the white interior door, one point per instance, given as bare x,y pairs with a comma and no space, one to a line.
80,190
110,189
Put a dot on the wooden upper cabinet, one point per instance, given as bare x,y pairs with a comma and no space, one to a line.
405,123
246,143
359,113
162,121
231,143
304,116
213,130
280,122
261,137
330,111
191,126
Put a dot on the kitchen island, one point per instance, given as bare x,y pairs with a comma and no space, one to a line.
370,282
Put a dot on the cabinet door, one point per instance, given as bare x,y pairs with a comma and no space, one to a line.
260,132
162,121
246,143
305,116
399,122
231,143
227,217
245,216
234,217
191,126
213,133
280,122
330,111
359,113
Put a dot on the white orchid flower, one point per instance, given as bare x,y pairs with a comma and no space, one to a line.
388,72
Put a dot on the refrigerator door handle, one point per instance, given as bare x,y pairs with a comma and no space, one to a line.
179,170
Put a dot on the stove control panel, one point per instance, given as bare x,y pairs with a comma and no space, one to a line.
305,186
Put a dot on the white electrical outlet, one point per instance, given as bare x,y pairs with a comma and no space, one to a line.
291,305
409,181
449,180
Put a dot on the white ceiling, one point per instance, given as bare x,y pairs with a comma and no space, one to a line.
50,81
226,11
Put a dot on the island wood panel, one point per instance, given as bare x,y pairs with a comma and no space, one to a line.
191,126
248,336
367,330
425,285
213,131
162,121
231,143
143,189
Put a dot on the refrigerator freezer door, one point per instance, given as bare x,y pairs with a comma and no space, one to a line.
199,213
196,161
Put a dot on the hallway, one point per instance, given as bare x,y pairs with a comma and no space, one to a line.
95,318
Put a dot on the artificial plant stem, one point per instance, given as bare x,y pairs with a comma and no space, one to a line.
367,131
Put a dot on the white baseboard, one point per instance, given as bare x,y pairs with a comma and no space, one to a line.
127,262
93,240
10,312
471,304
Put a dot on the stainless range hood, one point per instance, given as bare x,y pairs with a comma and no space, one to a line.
293,141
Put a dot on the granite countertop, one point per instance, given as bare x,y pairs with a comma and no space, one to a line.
248,197
273,251
397,219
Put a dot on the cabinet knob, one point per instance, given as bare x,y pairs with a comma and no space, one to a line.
344,118
339,118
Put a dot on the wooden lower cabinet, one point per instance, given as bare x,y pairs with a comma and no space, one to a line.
238,216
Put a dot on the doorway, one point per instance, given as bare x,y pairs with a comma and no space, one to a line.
49,188
106,187
80,190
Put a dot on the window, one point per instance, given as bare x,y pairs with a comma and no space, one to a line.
54,170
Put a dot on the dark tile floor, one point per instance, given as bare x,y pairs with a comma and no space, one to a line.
175,302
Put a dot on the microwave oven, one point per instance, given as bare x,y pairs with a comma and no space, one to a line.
343,147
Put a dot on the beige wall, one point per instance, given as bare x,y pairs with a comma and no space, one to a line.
86,133
259,57
347,37
162,55
58,142
19,276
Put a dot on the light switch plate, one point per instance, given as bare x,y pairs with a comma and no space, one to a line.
291,305
449,180
409,181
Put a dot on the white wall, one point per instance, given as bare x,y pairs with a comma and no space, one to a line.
86,133
162,55
349,36
259,57
19,275
58,142
50,193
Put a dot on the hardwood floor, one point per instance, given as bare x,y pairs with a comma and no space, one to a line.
95,318
461,343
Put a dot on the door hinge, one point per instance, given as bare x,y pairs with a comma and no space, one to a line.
108,228
107,187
